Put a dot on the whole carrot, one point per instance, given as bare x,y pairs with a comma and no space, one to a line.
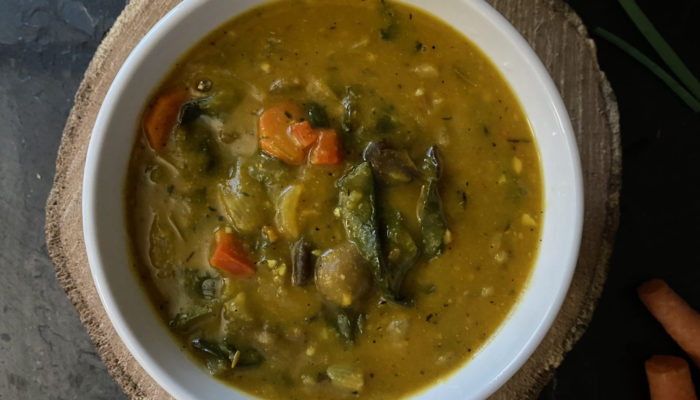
669,378
676,316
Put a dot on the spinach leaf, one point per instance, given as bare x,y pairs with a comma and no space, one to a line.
385,123
344,325
318,118
200,284
349,102
432,220
391,26
202,289
433,225
189,112
195,314
226,356
347,322
402,251
356,203
432,165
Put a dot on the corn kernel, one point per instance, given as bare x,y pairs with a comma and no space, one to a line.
310,351
527,220
517,165
346,299
447,238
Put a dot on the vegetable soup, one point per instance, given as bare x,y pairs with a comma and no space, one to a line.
333,199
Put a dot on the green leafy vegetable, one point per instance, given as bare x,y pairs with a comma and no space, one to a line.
356,203
432,220
226,356
432,165
433,226
318,118
391,26
189,112
401,249
345,326
194,315
203,291
200,284
349,102
385,123
214,349
347,322
196,148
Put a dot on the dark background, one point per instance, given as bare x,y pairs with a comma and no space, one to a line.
45,46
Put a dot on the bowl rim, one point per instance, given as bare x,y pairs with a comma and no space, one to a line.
170,22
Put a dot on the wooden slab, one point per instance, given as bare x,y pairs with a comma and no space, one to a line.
559,38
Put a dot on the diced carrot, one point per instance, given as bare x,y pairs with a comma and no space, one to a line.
327,148
230,256
680,321
274,132
669,378
304,134
161,117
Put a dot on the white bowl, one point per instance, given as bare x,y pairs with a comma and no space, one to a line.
113,136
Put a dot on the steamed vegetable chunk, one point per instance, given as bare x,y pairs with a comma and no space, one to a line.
322,193
342,276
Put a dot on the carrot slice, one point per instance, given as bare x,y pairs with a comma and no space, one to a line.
327,148
676,316
230,256
669,378
161,117
304,134
274,132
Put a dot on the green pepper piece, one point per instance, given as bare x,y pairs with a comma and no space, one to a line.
432,220
357,206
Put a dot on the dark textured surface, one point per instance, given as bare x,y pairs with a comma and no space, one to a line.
660,207
45,47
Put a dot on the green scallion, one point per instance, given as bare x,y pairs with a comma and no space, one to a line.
677,88
661,46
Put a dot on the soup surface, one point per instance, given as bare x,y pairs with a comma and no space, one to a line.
333,199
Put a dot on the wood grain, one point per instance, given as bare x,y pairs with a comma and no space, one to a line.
559,38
